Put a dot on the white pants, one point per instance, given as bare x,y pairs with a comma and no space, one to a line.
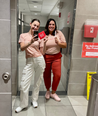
34,68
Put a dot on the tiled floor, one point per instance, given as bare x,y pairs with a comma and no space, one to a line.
69,106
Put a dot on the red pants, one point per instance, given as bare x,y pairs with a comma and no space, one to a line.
52,62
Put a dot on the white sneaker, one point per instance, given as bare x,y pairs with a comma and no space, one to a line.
19,109
35,104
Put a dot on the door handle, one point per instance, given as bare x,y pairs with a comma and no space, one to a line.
6,77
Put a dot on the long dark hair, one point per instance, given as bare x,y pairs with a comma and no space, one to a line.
35,20
47,24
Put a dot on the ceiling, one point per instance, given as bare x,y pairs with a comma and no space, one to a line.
39,7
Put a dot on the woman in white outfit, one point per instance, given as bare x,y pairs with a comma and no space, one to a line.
35,65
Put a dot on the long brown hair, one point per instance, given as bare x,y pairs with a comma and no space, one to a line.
47,24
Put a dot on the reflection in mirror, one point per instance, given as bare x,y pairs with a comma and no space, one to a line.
60,10
63,11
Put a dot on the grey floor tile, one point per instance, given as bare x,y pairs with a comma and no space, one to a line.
78,100
40,111
60,111
41,100
65,101
80,110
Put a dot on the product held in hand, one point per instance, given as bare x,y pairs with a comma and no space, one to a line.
35,34
41,35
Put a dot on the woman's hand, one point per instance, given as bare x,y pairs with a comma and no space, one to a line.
61,44
33,39
57,40
45,39
43,49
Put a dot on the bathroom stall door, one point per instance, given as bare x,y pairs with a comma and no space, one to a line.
5,59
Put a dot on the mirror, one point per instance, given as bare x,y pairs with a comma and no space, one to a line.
62,11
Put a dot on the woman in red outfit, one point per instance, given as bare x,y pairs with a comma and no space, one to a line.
56,40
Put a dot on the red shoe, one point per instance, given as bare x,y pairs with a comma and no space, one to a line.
47,95
55,97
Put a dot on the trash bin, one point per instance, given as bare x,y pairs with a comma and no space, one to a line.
93,98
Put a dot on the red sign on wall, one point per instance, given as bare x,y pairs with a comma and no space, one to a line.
68,18
90,50
60,14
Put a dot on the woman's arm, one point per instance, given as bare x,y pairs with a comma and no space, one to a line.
23,45
61,44
43,49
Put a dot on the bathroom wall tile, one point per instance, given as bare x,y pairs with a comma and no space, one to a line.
76,51
88,7
5,51
77,89
5,105
83,64
78,77
5,98
14,49
5,9
97,65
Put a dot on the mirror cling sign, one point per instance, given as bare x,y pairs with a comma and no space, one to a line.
90,50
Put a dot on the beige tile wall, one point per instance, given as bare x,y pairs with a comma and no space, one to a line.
80,66
5,58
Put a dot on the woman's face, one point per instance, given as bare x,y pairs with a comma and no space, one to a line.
34,26
51,26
